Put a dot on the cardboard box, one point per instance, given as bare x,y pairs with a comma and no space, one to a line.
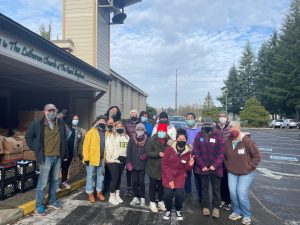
75,162
82,167
8,158
73,171
30,115
11,145
4,132
29,155
22,138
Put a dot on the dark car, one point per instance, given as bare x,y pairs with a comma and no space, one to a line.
178,124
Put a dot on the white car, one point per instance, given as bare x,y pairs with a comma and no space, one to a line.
275,123
289,123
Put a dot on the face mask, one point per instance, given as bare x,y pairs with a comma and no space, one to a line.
190,123
207,129
51,115
75,122
181,144
133,118
144,119
140,133
164,121
101,126
110,128
234,133
222,120
120,130
161,134
113,113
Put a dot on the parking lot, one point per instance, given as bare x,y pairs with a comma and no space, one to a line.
274,194
277,185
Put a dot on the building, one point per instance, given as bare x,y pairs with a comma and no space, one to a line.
86,35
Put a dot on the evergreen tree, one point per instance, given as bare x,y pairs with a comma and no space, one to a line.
44,32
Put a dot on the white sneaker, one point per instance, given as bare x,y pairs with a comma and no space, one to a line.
153,207
58,189
167,215
179,215
143,202
161,206
118,196
135,201
234,216
66,185
112,199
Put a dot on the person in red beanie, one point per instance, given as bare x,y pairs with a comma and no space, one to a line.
155,151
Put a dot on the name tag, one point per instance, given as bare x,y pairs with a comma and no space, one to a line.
212,140
241,151
183,161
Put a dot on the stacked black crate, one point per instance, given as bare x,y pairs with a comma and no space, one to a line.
26,177
8,180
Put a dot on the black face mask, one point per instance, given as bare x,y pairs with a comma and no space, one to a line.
101,126
181,144
133,118
207,129
120,130
110,128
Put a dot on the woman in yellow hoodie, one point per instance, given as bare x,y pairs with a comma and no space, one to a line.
116,148
94,157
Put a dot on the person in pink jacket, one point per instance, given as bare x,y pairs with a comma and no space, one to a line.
177,160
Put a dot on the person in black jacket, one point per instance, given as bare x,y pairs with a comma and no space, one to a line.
136,163
47,138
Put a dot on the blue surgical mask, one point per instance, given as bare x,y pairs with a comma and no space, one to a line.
51,115
144,119
161,134
75,122
190,123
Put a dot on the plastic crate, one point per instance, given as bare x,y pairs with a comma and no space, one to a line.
25,168
7,189
8,171
27,183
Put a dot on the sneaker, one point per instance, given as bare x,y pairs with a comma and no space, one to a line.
153,207
222,204
135,201
206,212
58,189
179,215
216,213
234,216
227,207
55,205
246,221
128,192
40,210
143,202
118,196
66,185
167,215
161,206
112,199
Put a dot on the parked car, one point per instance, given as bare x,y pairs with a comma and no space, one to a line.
178,124
298,125
176,118
275,123
289,123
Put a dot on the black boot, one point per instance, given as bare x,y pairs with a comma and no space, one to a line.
128,192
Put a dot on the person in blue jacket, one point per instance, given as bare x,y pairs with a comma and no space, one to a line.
144,117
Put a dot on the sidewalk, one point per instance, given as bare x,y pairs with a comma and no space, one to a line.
14,208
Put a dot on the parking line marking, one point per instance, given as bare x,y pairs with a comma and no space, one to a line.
286,158
274,153
277,136
295,164
265,149
283,148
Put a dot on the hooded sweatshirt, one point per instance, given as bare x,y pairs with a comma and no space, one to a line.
244,158
115,146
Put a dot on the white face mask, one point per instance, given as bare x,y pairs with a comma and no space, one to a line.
75,122
222,120
140,133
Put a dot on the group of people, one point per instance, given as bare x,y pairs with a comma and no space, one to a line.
217,154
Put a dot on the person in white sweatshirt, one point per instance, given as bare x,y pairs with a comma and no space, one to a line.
116,148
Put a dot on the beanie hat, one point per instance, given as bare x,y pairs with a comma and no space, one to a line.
162,127
141,126
133,111
163,115
207,122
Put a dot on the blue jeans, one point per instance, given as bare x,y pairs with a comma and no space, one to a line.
239,192
49,169
99,178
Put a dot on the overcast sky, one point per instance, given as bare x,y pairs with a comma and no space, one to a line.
202,38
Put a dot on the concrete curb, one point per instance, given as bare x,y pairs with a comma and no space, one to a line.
29,207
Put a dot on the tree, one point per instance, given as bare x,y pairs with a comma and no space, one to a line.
254,114
151,110
209,109
194,108
247,73
44,32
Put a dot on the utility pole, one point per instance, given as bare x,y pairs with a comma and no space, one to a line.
176,95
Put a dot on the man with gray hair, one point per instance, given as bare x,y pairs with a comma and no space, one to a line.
47,138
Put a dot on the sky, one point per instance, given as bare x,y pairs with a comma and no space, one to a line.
200,38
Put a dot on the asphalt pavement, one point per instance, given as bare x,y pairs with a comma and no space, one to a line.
274,194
